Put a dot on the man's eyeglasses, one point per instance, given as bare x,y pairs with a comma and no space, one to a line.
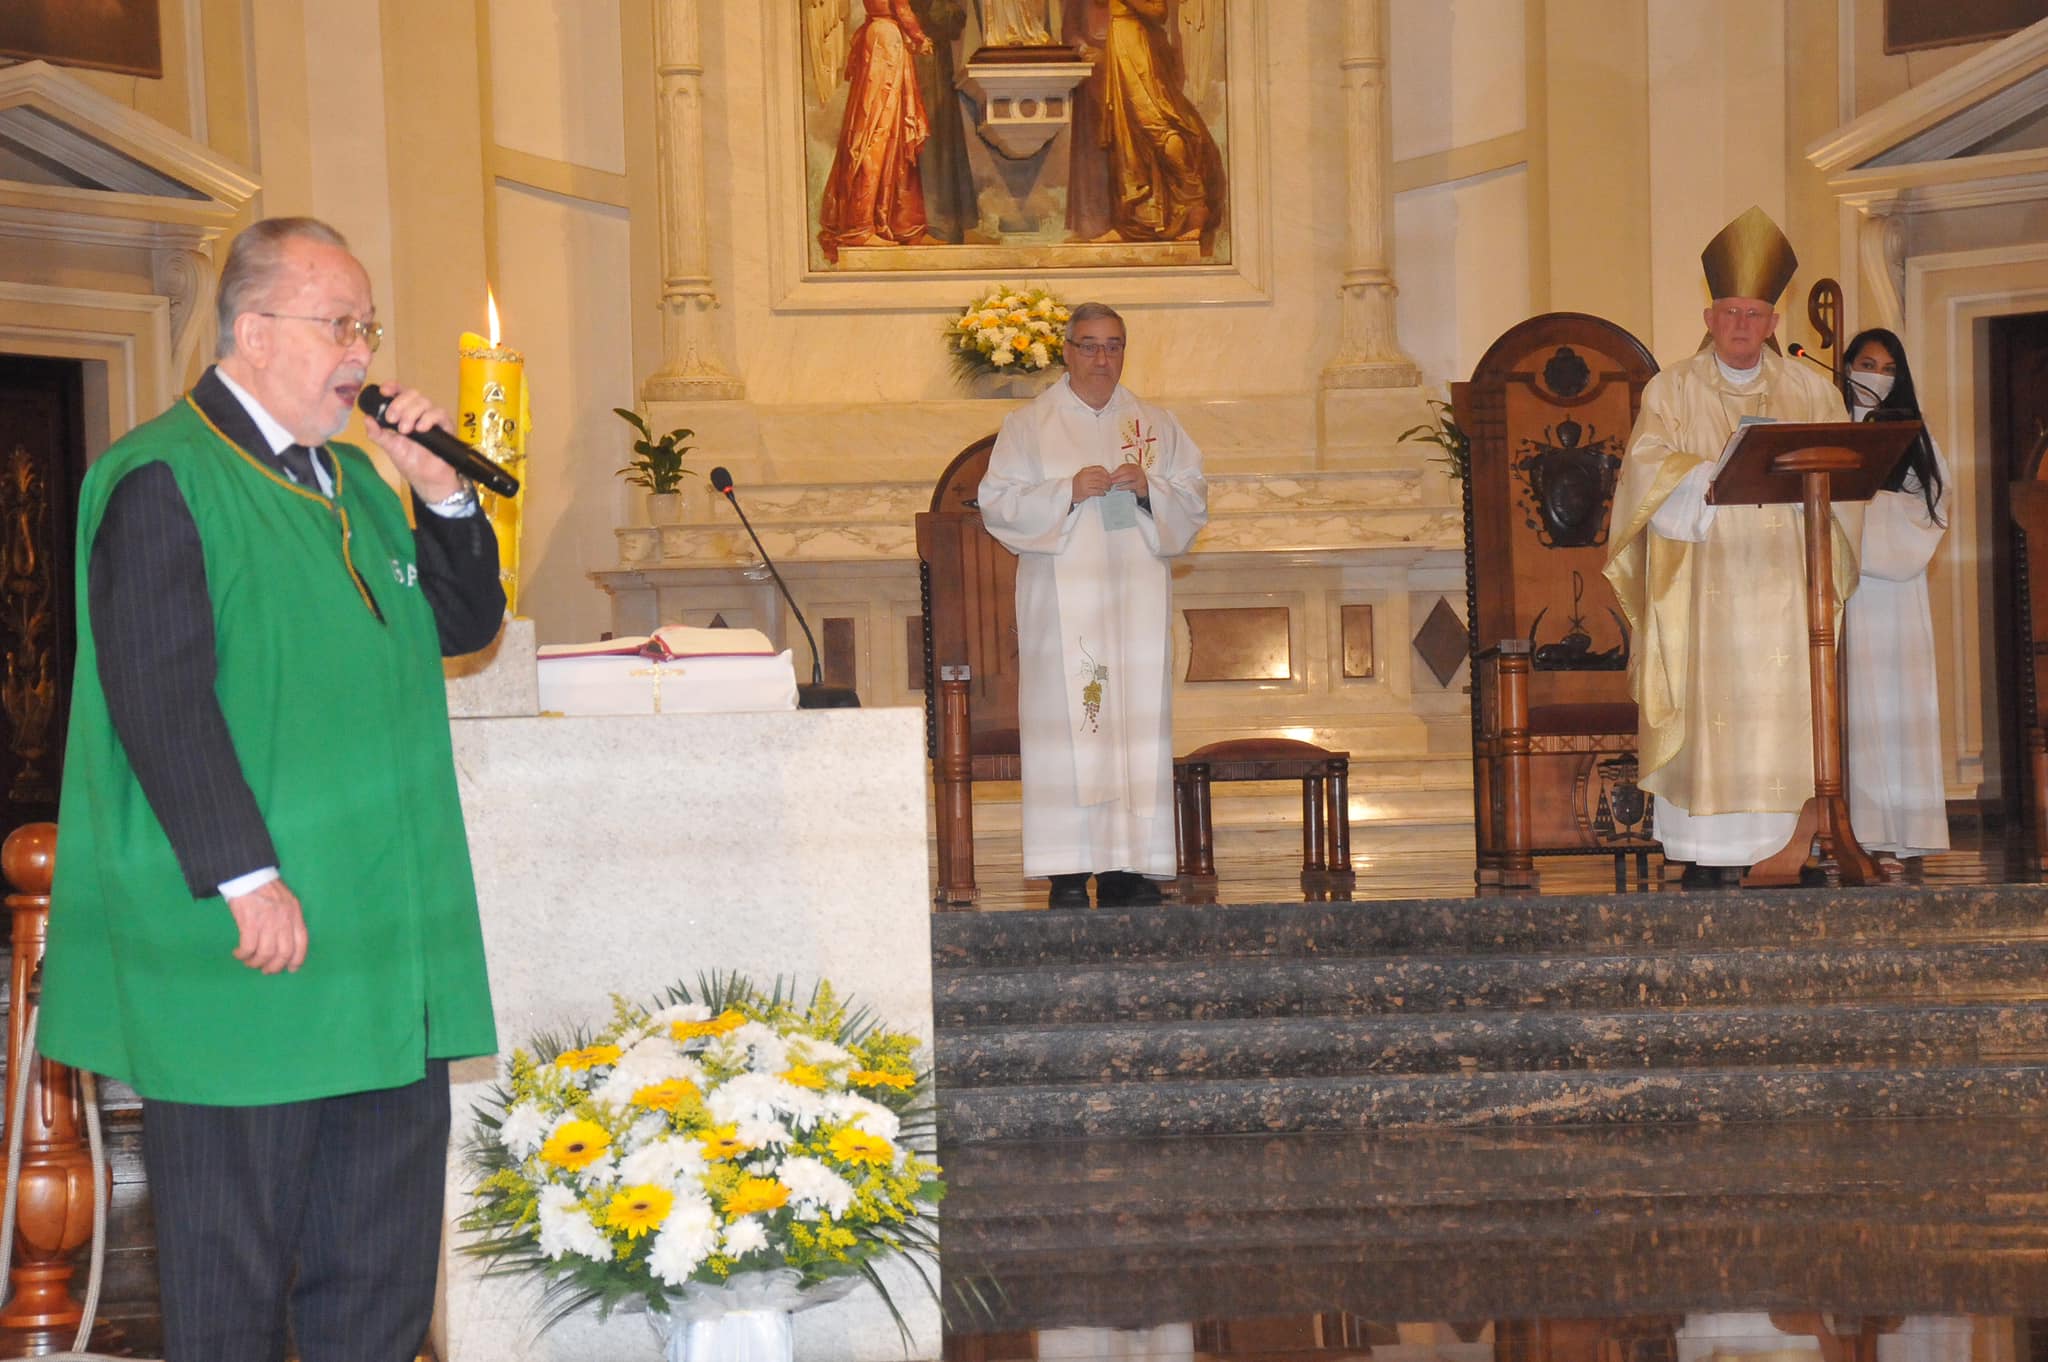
1090,349
343,330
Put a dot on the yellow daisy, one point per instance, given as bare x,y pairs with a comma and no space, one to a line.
577,1144
755,1194
723,1142
637,1210
854,1145
878,1078
804,1076
589,1057
666,1095
732,1019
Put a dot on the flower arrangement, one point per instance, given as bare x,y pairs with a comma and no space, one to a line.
703,1138
1009,331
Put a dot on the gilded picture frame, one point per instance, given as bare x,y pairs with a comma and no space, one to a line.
124,36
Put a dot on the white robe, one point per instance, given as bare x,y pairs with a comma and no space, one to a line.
1094,610
1898,801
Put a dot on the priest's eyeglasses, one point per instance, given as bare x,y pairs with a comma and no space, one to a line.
1092,348
341,329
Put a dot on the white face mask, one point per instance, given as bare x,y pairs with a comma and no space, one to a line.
1870,389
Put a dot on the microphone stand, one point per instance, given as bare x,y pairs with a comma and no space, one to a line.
816,694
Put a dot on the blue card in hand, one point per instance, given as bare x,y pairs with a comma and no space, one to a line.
1119,509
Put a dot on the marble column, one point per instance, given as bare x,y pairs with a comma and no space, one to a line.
691,370
1370,355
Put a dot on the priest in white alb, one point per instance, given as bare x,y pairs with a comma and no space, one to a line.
1717,594
1095,490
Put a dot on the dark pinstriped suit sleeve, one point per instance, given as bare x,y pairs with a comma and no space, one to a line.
458,561
152,627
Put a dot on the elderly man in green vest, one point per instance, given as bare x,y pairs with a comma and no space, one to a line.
263,917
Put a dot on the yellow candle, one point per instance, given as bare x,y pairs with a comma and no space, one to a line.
492,413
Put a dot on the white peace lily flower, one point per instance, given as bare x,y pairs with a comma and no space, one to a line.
524,1129
686,1239
745,1235
813,1186
870,1116
566,1228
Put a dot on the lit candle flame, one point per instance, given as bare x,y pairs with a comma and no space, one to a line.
491,300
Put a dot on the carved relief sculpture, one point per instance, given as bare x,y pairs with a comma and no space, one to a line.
874,196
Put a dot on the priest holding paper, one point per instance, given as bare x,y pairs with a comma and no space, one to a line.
1095,490
1717,594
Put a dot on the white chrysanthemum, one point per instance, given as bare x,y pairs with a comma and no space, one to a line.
872,1117
1003,356
684,1012
763,1134
813,1187
566,1228
766,1051
686,1239
745,1235
1039,356
663,1163
1043,307
600,1171
651,1061
822,1053
524,1129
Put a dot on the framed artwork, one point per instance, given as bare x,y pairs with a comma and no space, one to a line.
1914,25
106,35
913,140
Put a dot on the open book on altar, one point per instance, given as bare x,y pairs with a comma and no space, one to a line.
671,641
675,670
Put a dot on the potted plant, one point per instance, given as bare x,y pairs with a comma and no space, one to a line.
657,465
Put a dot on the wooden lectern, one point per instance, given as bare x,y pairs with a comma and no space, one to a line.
1815,465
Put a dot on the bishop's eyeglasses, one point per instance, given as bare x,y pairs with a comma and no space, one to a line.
341,329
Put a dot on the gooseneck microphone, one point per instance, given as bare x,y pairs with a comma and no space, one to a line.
443,446
816,694
1799,351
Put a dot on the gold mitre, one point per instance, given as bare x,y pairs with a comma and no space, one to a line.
1749,258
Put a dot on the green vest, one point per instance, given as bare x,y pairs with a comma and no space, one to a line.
340,721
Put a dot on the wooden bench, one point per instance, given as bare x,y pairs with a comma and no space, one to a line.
1325,810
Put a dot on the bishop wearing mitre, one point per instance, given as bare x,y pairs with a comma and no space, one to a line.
1717,594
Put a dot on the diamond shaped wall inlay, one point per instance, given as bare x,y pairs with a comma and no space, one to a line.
1443,642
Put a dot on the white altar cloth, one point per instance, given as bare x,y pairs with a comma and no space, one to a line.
625,854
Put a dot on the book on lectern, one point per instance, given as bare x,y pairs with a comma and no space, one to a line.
669,642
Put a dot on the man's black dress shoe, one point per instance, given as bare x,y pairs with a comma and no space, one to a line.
1068,891
1709,877
1125,889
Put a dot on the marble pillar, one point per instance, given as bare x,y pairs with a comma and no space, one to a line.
691,370
1370,355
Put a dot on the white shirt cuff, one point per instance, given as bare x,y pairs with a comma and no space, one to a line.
243,884
457,506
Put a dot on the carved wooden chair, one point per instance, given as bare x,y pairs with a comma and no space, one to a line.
969,585
1548,413
2029,510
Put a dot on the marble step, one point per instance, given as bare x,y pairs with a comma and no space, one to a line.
1474,1042
1378,1102
1244,988
1526,925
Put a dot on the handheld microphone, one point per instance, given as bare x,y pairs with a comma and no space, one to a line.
816,694
443,446
1801,352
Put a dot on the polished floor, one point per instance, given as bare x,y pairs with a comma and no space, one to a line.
1980,855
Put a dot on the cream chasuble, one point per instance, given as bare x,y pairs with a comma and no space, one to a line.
1717,599
1094,627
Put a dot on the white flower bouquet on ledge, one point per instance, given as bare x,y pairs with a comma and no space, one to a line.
1009,331
727,1135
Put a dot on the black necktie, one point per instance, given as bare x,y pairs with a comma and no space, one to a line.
298,462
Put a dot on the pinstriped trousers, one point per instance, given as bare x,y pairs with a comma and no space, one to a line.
328,1210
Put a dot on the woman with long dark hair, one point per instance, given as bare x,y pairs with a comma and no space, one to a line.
1897,798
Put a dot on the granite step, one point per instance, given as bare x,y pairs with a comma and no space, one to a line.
1395,1101
1503,925
1472,1042
1321,987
